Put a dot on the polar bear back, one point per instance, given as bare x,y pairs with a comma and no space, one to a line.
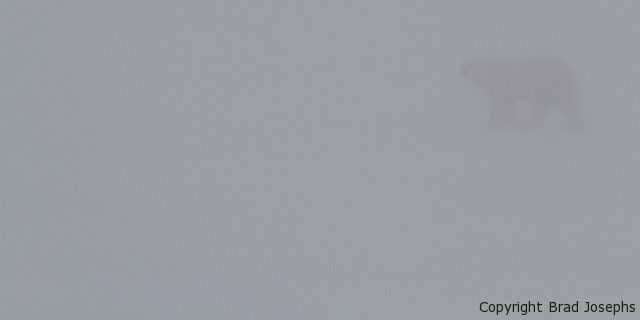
542,80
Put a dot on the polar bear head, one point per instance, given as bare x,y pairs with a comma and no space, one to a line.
482,72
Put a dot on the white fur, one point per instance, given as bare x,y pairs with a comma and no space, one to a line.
544,82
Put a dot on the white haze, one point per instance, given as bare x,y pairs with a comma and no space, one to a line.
270,159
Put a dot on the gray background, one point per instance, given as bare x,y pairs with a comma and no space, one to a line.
308,160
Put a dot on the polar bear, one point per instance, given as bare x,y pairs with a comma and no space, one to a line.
542,82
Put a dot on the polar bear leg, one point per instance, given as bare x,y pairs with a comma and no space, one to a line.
537,115
501,112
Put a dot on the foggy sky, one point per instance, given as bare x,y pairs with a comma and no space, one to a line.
308,160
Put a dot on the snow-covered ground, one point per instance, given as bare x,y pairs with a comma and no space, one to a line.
402,225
